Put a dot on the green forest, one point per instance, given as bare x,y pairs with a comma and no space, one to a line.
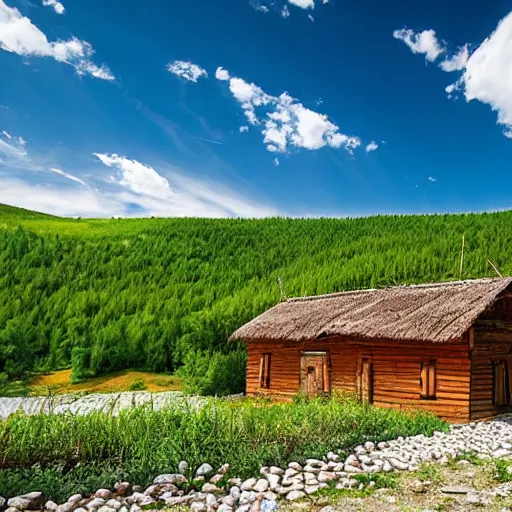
164,294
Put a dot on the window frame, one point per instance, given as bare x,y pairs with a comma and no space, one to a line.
505,399
428,373
264,376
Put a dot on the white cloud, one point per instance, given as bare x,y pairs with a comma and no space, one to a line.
304,4
187,197
19,35
487,76
486,73
244,129
457,61
311,18
373,146
68,176
57,201
187,70
422,42
12,147
282,6
285,122
139,178
433,180
57,6
221,74
276,162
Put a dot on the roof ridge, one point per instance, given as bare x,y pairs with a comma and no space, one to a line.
397,287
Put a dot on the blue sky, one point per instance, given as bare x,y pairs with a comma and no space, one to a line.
255,107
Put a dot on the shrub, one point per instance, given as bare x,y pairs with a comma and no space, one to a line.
216,374
138,385
80,358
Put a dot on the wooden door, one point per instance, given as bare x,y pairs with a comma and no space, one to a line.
314,373
365,379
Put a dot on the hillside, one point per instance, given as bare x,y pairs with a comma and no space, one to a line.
157,294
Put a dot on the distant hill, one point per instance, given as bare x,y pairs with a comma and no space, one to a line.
157,294
21,213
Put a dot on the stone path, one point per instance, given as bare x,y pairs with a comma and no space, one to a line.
84,404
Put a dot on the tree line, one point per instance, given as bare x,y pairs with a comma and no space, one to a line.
165,294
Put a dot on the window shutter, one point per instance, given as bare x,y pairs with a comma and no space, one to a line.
428,379
262,370
432,380
424,380
499,383
265,371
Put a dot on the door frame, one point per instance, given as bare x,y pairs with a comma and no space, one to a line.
326,369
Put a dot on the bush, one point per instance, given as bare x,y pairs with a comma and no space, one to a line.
80,362
142,443
215,374
138,385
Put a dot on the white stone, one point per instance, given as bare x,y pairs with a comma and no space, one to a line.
261,485
326,476
170,478
204,470
334,457
103,494
209,488
183,467
273,480
274,470
248,484
50,506
369,446
295,495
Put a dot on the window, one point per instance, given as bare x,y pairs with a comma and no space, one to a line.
428,380
501,384
265,371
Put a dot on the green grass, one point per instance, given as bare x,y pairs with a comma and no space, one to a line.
501,467
140,444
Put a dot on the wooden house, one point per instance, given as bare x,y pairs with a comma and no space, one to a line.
444,347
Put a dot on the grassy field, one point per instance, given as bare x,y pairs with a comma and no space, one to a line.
65,454
163,295
59,382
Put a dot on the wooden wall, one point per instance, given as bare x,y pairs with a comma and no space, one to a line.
396,372
491,341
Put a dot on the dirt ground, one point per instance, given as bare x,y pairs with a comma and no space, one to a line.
60,382
413,493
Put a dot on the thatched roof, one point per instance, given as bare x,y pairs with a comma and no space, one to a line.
432,313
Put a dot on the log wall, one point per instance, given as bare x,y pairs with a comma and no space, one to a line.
396,372
491,341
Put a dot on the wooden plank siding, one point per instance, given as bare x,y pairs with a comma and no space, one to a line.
492,341
396,372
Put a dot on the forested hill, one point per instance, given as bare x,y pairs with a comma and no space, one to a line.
158,293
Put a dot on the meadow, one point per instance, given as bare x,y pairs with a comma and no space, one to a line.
163,295
65,454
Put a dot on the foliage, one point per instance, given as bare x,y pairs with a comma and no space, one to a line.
503,470
157,294
138,385
11,388
429,472
142,443
214,373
